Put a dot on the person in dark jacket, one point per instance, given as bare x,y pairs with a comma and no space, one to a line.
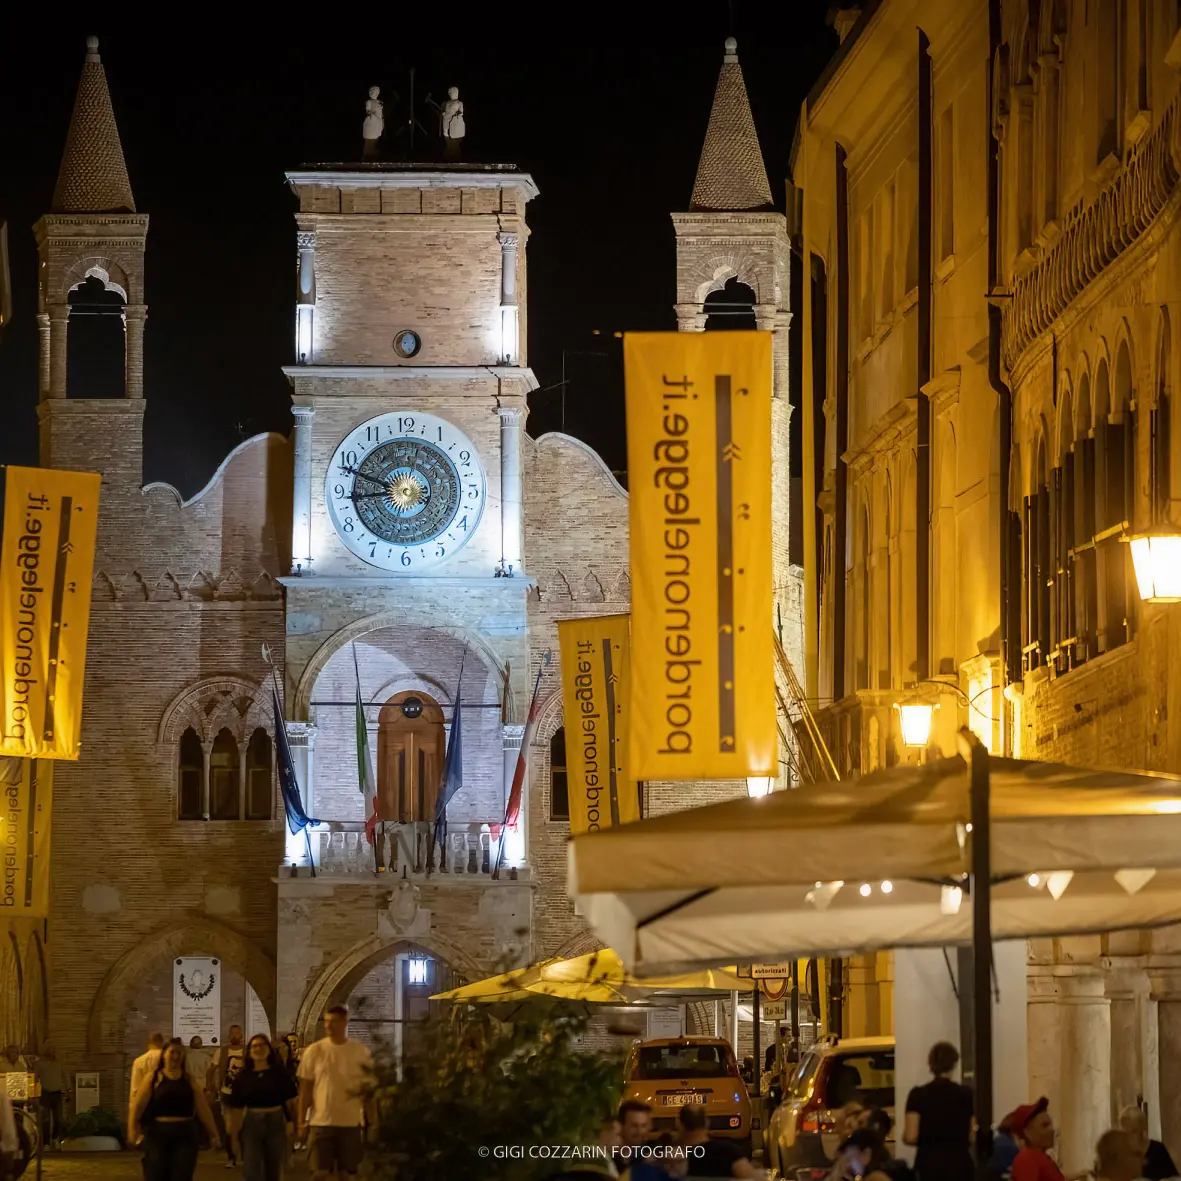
1158,1164
1004,1150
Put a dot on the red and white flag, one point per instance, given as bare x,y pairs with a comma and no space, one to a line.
512,813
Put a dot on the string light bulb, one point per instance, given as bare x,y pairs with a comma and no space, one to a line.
866,890
887,887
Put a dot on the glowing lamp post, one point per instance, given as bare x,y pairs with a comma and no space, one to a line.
1156,558
914,718
759,785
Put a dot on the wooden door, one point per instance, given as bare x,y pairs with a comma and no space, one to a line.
410,745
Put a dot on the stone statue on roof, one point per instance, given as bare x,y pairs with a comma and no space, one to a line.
452,124
374,123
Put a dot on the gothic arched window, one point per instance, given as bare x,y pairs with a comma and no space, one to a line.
190,780
94,341
559,786
730,308
259,795
225,778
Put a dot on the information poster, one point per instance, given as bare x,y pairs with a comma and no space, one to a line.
196,999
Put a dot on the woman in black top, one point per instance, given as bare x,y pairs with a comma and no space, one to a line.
263,1095
939,1119
165,1115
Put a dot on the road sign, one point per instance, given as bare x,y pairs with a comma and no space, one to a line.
773,1011
771,971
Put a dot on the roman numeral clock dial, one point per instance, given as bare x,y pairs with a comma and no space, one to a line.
405,491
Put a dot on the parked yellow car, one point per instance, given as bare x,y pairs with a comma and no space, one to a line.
670,1073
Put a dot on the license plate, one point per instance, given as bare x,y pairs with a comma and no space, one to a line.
683,1099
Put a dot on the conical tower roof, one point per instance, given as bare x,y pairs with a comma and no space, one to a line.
731,175
93,176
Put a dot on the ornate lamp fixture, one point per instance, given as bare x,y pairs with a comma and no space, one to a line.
1156,558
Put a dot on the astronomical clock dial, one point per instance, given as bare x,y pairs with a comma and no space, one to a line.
405,491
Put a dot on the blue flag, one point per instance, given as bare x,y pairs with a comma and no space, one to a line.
297,819
452,778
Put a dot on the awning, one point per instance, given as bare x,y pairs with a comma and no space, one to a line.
598,977
783,875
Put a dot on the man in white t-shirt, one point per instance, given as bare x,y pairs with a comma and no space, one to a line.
143,1067
335,1098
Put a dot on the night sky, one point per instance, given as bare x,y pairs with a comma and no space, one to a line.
608,118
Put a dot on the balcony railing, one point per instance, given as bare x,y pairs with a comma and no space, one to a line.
468,849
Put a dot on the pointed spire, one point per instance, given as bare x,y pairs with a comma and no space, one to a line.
731,175
93,176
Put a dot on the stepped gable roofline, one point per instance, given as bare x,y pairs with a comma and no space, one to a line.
386,175
93,175
731,174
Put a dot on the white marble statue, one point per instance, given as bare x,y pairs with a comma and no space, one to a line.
374,122
451,120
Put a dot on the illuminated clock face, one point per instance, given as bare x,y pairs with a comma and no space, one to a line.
405,491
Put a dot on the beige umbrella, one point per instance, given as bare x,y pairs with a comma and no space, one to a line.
882,862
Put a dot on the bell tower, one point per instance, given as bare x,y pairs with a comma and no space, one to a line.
732,272
92,240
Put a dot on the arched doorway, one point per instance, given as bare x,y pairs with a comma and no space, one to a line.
411,743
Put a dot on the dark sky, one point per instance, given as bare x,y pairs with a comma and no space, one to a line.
609,118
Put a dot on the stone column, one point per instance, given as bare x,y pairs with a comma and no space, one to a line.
510,489
206,755
509,344
1070,1057
691,317
59,318
305,296
1166,992
43,355
134,317
1134,1065
301,509
243,783
511,735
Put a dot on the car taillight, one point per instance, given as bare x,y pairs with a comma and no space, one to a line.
815,1117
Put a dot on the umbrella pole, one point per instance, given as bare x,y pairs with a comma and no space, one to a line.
977,757
734,1022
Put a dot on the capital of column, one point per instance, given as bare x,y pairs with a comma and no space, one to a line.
135,312
1068,984
509,413
59,312
512,734
301,733
305,239
303,415
508,240
690,317
1164,984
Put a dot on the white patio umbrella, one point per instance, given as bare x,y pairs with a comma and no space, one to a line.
881,863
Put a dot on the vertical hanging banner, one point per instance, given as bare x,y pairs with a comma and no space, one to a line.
46,564
196,999
596,683
699,481
27,805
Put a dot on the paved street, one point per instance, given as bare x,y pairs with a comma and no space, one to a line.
125,1166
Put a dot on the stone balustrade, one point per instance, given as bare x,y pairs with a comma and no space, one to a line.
1095,235
467,850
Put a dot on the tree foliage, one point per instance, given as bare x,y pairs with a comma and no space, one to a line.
473,1083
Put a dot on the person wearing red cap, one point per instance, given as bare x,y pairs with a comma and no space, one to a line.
1034,1127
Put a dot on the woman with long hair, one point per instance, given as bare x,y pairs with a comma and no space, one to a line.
940,1118
263,1100
164,1115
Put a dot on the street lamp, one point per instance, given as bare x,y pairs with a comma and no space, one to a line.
914,718
759,785
1156,558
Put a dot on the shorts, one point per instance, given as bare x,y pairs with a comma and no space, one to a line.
337,1148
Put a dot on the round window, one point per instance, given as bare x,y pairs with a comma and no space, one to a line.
407,343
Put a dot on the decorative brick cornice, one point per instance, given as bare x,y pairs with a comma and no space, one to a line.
1095,237
186,586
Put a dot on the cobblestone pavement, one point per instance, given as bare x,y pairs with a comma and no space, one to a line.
125,1166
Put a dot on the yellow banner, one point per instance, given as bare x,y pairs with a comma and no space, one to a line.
596,678
27,785
699,480
46,563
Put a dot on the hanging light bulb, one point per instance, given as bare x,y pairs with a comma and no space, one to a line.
887,887
1034,879
866,890
950,899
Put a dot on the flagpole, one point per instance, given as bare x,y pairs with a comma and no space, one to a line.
440,830
525,738
357,671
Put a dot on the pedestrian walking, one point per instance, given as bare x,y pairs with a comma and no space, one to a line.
164,1116
143,1068
1157,1163
52,1080
939,1121
1118,1156
263,1095
227,1061
1032,1125
334,1078
706,1156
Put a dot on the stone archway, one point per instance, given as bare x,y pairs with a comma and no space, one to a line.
195,936
339,978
